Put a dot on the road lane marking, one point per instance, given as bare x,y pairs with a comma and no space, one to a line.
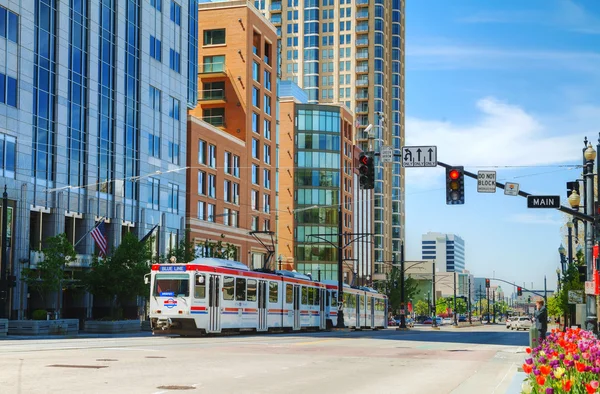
505,376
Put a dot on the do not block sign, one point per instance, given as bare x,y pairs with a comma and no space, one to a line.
486,181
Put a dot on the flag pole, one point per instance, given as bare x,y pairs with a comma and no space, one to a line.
92,229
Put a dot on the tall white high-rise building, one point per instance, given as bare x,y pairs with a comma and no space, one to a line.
448,250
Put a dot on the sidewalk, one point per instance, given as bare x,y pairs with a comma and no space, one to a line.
80,335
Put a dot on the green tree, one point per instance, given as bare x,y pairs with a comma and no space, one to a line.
421,308
220,250
120,276
554,306
441,306
391,287
49,274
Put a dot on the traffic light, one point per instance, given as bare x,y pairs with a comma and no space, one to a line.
519,291
487,283
455,185
366,168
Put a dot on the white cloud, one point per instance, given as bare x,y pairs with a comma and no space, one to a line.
502,135
535,219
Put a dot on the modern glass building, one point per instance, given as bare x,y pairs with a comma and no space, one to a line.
93,121
447,249
322,181
351,52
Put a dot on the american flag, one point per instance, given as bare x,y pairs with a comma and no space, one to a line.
98,235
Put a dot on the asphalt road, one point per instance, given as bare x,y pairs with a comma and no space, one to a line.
452,360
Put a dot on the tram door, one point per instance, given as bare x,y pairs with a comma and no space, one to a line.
372,311
262,305
214,304
359,310
323,297
296,307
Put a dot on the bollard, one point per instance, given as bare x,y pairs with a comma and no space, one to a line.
534,335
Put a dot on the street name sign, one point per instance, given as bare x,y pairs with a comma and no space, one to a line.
486,181
511,189
543,201
419,156
387,154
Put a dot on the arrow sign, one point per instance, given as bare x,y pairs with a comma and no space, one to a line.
419,156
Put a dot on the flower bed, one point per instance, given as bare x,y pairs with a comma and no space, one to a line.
566,362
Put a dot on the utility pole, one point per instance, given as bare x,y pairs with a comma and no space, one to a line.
4,263
402,301
487,298
494,307
454,307
588,174
469,301
340,318
480,299
434,320
545,293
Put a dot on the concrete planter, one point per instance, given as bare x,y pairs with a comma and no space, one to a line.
112,327
44,327
3,327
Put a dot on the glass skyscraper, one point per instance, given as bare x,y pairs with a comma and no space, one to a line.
93,120
352,52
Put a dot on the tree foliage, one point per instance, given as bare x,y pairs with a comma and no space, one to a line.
49,274
120,276
421,308
391,287
554,305
184,251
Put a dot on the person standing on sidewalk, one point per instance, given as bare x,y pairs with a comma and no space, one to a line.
541,319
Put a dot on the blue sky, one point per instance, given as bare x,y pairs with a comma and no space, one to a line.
508,85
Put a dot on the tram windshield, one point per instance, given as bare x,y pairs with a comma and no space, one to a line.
171,285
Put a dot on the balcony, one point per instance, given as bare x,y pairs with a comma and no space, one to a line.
275,7
362,94
362,3
362,68
362,55
212,70
363,121
276,19
362,109
215,120
212,96
362,15
362,42
362,27
362,82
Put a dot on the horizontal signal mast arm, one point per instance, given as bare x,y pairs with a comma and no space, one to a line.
499,185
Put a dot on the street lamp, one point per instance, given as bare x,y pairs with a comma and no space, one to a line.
589,155
574,199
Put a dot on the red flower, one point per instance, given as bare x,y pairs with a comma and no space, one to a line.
567,385
545,369
527,368
528,350
590,389
541,380
580,367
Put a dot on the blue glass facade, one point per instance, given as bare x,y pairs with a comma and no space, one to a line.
44,91
106,96
317,182
311,49
192,93
132,104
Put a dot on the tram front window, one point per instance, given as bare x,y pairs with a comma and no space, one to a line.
169,285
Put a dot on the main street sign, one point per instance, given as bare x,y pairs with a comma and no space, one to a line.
419,156
543,201
486,181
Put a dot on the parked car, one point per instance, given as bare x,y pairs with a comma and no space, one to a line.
508,321
438,321
521,323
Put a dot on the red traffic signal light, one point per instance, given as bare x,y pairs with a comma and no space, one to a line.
519,291
454,174
487,283
366,168
364,159
455,185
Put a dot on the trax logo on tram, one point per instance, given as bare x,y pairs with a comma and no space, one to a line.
170,303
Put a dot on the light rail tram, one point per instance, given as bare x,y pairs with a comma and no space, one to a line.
211,296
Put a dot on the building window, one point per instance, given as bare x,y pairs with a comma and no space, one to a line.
267,153
266,203
255,123
255,149
7,155
176,13
8,90
256,71
227,191
210,212
214,116
267,178
254,200
254,224
9,25
202,152
214,37
155,99
173,152
212,186
267,128
235,193
202,183
267,82
154,193
255,174
155,48
201,210
236,166
213,64
174,60
173,197
227,163
267,107
174,108
267,225
153,145
156,4
213,91
212,156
